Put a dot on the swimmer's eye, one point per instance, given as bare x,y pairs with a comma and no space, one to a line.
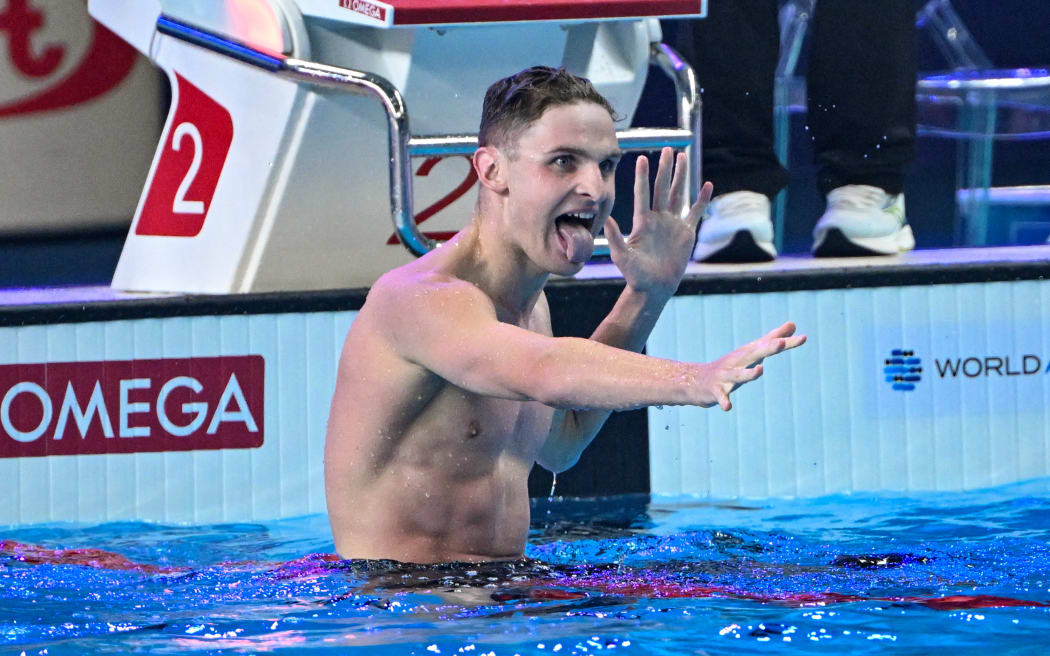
565,162
569,163
608,167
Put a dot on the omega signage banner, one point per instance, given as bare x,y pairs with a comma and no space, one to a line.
195,418
131,406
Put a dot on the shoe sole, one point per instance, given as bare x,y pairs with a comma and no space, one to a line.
835,243
738,249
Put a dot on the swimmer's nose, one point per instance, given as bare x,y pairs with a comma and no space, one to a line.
591,183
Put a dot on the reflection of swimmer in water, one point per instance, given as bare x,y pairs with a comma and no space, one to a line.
451,386
527,580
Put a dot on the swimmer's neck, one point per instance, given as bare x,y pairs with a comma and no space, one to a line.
478,254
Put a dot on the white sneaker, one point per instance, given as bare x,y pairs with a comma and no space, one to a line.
736,228
862,220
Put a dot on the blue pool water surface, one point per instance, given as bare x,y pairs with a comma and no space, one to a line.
842,574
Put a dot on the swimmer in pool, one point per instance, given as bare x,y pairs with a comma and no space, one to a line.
450,384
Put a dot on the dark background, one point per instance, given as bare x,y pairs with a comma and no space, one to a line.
1013,34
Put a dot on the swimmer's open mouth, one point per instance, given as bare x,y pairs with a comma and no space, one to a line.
574,235
584,219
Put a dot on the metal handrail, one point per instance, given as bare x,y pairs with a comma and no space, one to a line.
687,100
402,146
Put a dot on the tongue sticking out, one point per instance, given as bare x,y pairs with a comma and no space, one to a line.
577,241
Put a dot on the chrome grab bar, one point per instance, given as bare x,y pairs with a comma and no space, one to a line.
402,146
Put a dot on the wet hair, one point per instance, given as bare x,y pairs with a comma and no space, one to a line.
516,102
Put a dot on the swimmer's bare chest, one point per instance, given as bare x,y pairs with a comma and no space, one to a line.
420,469
451,436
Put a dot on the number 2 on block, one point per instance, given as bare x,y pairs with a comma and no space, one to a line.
185,177
181,205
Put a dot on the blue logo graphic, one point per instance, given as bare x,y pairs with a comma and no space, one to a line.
903,370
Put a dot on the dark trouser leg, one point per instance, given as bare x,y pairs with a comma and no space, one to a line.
861,84
734,52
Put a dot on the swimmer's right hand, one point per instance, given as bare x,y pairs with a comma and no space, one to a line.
717,379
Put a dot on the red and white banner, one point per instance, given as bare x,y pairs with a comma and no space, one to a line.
189,166
131,406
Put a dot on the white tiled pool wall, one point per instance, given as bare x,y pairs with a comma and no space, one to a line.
823,419
283,478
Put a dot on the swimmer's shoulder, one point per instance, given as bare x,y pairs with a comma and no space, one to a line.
409,291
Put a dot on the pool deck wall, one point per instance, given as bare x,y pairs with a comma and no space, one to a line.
930,372
823,419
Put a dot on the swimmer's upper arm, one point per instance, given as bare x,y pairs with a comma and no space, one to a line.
450,327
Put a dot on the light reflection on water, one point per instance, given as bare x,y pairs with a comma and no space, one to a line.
849,574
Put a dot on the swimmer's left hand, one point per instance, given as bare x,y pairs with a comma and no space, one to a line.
654,256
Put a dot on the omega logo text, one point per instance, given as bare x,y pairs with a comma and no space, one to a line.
131,406
366,8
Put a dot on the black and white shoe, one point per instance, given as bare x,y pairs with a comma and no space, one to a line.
736,228
862,220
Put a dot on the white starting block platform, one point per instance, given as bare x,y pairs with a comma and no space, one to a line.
286,161
930,371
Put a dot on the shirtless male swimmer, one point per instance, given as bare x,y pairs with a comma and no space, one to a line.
450,385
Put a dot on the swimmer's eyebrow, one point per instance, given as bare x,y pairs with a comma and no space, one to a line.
573,150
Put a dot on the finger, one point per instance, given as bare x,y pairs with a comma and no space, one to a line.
723,399
796,341
678,183
744,374
641,188
617,244
786,330
781,343
697,210
662,184
764,348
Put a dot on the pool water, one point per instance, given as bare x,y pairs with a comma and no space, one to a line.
951,572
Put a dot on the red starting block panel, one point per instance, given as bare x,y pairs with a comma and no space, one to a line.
430,12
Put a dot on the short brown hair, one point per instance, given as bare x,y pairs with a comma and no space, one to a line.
514,103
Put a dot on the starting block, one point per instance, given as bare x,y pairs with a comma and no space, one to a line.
287,162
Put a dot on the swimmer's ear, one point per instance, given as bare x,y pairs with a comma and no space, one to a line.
490,165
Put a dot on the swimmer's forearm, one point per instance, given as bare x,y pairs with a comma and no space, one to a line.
572,430
629,323
580,374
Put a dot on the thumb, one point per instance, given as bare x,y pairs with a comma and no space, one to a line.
617,244
723,400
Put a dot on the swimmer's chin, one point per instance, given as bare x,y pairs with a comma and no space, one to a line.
569,269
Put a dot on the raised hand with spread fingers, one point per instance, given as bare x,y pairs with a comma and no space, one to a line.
654,256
